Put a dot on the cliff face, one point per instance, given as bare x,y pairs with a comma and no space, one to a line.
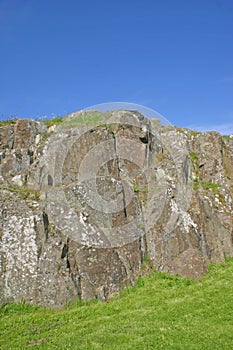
84,202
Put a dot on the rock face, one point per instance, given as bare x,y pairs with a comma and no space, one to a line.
83,203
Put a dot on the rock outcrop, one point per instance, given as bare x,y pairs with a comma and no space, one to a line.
86,201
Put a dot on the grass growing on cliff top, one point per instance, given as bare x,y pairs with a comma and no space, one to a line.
90,118
160,312
54,121
7,122
226,137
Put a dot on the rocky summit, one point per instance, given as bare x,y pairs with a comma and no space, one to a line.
88,198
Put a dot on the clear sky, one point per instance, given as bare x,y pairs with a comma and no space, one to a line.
174,56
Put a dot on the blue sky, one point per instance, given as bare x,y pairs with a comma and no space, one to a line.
174,56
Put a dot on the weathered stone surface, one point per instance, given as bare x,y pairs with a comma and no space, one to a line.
83,204
18,148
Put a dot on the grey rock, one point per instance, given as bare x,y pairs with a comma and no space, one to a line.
82,204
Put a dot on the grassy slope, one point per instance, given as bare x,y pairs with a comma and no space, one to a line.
161,312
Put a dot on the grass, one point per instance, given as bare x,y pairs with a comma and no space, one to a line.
160,312
136,189
54,121
92,118
23,192
226,137
88,118
195,184
193,156
7,122
195,132
207,185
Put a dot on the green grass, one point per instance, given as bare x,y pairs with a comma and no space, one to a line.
23,192
136,189
87,118
160,312
207,185
54,121
193,156
91,118
195,184
226,137
7,122
195,132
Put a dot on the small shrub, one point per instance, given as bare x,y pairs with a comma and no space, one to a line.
136,189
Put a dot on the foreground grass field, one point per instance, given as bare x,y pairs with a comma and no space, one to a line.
160,312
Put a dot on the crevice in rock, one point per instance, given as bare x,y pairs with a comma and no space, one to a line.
30,154
67,263
186,169
77,284
75,277
50,180
13,141
119,174
142,246
46,224
65,254
126,266
25,179
147,140
144,139
38,242
203,244
124,201
4,213
64,251
146,151
116,154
